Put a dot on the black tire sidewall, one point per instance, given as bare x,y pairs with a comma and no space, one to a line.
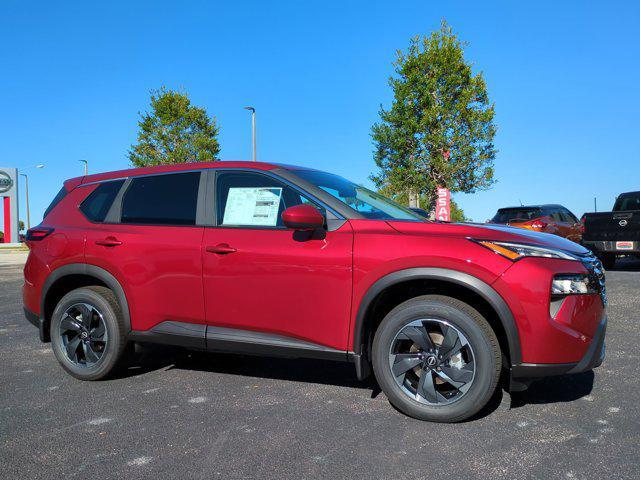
486,363
112,352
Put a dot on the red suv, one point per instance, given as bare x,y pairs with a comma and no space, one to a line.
268,259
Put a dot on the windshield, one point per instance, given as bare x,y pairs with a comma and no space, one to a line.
366,202
629,201
506,215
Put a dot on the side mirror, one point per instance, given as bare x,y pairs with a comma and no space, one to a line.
303,217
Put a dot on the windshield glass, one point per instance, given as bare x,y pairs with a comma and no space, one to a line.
366,202
630,201
506,215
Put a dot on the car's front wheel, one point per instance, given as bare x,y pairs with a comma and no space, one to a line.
87,333
436,358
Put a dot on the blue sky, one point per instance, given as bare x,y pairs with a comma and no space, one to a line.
563,75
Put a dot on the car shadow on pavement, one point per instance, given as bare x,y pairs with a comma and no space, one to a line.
626,265
565,388
157,357
147,358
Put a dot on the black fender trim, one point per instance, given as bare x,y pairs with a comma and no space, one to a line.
441,274
92,271
222,339
233,340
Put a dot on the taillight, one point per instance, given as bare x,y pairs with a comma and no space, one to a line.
538,224
36,234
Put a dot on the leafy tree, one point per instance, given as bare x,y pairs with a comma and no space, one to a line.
439,130
175,131
20,225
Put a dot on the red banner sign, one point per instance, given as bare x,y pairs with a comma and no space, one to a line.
443,204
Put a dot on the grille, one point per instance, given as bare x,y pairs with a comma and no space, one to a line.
596,275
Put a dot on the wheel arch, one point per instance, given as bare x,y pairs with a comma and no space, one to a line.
460,281
76,275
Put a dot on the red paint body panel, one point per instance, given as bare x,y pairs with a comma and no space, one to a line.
277,283
380,250
159,268
543,339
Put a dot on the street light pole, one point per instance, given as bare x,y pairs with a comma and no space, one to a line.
26,191
86,167
253,131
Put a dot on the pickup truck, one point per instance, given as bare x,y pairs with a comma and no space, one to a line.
613,234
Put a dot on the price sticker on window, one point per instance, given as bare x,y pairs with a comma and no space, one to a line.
252,206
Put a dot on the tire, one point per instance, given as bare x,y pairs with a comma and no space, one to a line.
608,261
100,346
480,355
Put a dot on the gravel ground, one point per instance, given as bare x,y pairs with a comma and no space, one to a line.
178,414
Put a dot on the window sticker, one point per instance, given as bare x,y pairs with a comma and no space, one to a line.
252,206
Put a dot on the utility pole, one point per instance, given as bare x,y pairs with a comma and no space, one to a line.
26,191
253,131
595,204
86,167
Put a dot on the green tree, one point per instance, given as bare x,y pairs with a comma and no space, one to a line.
439,130
174,131
20,225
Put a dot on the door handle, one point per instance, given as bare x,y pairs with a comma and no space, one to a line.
109,242
221,249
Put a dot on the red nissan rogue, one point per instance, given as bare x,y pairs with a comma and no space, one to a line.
275,260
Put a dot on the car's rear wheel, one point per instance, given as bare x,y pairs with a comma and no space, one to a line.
87,333
437,359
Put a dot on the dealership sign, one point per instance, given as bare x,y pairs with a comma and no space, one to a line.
9,200
6,182
443,204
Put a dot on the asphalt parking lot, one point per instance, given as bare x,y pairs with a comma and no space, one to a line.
175,414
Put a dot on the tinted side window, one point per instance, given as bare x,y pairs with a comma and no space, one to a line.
56,200
506,215
555,214
97,204
253,200
162,199
629,201
568,216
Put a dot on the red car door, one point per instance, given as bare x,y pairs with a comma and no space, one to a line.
153,249
260,276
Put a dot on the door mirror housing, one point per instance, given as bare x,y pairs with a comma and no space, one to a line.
303,217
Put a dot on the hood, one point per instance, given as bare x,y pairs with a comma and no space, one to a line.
485,231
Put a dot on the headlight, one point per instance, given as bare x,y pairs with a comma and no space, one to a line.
572,284
516,251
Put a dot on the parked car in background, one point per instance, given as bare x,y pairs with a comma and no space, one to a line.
612,234
273,260
554,219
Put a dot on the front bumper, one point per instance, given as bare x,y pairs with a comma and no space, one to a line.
610,247
593,358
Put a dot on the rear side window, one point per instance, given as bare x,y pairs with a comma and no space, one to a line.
97,204
162,199
568,216
506,215
56,200
555,215
627,202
